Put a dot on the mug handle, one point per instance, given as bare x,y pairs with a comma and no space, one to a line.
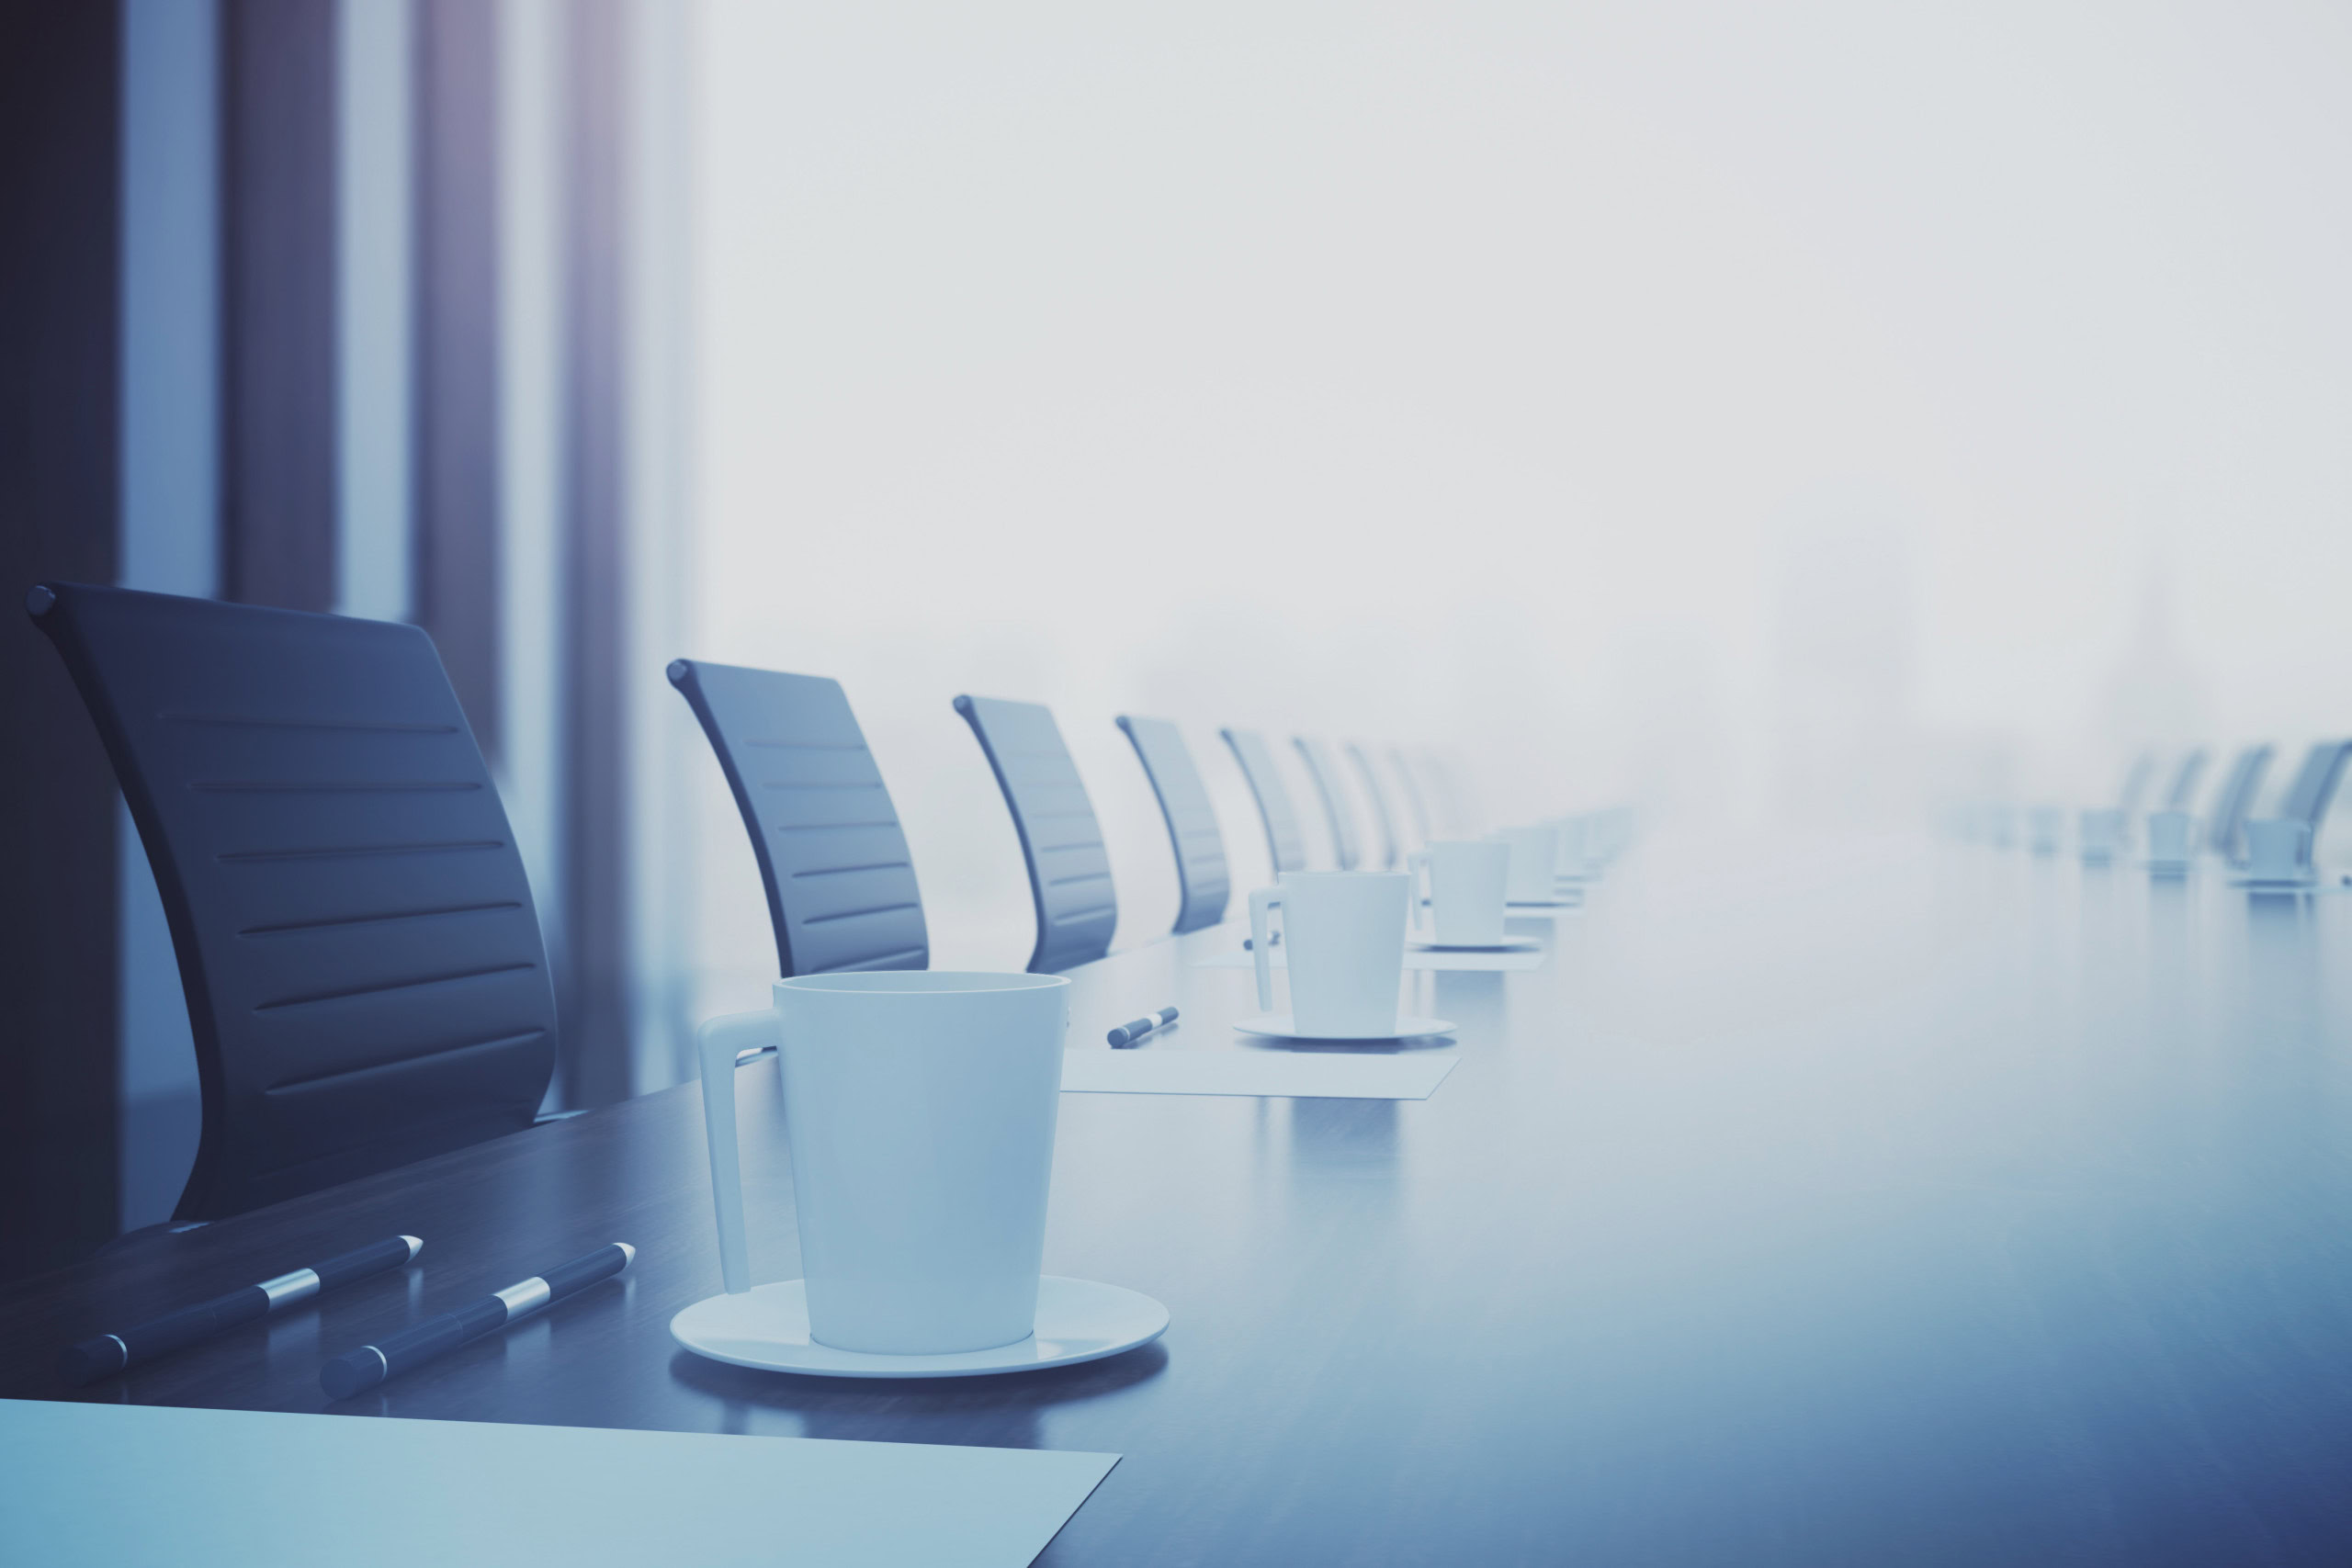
1415,863
717,1043
1261,900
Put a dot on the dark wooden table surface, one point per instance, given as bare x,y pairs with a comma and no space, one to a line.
1854,1201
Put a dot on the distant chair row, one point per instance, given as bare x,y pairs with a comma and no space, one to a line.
363,963
2306,801
840,881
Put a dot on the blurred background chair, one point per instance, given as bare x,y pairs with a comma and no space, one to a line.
2136,779
1202,881
1323,772
1392,854
841,885
2180,795
1416,805
1069,870
1286,844
2226,827
356,942
2313,791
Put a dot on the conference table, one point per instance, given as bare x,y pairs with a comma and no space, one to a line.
1849,1200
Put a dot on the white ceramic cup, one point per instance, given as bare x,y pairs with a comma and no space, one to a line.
920,1110
2099,831
2172,836
1534,863
1344,931
1466,881
2277,849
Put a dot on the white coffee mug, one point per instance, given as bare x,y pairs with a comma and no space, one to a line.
1344,931
1534,853
2172,837
2277,849
1466,882
2099,831
920,1110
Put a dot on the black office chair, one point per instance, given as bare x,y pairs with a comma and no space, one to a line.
2135,783
841,885
1286,845
2314,783
1069,870
1201,875
1392,852
1323,772
2181,794
1455,804
357,941
2314,790
1414,801
2225,829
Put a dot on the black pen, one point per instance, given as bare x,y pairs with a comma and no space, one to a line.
94,1359
371,1364
1133,1031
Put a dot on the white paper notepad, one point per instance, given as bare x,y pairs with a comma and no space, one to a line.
124,1485
1289,1074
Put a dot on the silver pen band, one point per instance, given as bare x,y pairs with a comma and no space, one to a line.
525,1299
287,1289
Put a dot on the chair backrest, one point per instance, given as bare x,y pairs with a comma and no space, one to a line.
1201,875
357,941
1069,870
2226,826
2135,781
2315,787
1286,845
1415,804
1453,801
2181,794
841,885
1391,851
1323,770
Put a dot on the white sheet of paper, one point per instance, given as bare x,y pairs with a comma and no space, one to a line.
119,1484
1415,958
1289,1074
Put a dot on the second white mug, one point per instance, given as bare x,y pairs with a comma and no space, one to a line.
1534,863
1344,932
2277,849
1467,880
2172,835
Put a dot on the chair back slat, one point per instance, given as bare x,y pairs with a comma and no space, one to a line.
356,939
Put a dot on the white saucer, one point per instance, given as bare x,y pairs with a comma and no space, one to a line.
2169,867
2276,883
1279,1025
1557,901
1508,945
767,1328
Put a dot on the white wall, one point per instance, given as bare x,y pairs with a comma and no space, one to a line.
1481,373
